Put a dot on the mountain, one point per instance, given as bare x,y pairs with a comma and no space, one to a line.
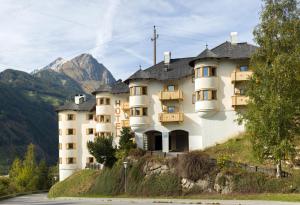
28,101
83,69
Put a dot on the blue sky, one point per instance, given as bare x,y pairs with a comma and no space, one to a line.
117,32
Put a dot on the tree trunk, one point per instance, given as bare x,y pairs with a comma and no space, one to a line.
278,170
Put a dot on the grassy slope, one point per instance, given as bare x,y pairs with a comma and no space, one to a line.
79,182
237,149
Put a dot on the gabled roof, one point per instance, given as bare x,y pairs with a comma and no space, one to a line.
177,68
115,88
88,106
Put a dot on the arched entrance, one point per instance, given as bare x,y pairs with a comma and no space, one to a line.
178,141
153,140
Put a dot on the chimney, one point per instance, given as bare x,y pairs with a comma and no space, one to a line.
167,57
234,37
79,99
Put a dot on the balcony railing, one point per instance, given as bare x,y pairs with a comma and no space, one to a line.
125,123
171,95
125,106
240,75
238,100
171,117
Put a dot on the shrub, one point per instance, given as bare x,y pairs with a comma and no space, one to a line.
195,165
166,184
249,182
102,149
223,161
110,182
5,186
137,152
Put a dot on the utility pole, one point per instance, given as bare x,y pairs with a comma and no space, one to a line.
155,36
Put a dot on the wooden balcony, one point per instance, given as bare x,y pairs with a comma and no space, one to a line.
171,117
240,76
125,123
125,106
239,100
171,95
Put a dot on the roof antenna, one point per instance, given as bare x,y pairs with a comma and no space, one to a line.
140,67
206,46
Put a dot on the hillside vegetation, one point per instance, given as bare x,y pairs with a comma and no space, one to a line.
190,174
27,115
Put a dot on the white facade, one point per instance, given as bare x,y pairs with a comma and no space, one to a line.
207,122
74,157
177,114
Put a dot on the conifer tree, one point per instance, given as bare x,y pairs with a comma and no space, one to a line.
274,88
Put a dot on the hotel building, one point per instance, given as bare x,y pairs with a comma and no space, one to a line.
177,105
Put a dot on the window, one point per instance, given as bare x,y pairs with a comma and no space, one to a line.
243,68
89,131
103,101
90,160
145,110
70,117
71,160
60,160
206,95
105,134
206,71
171,88
138,90
70,145
103,118
193,98
171,109
59,146
89,116
139,111
70,131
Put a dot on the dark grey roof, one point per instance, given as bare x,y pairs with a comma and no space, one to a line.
115,88
88,105
207,54
234,51
178,68
182,67
227,50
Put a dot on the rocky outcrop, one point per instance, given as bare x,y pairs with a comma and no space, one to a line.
155,167
224,183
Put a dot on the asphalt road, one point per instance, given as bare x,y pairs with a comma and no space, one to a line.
41,199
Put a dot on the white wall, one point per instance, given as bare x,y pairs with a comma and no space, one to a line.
203,131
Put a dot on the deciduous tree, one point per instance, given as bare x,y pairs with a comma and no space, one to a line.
274,87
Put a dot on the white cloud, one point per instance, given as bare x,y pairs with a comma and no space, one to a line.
117,32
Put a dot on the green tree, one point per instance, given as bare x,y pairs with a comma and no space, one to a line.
43,173
102,149
126,139
274,87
